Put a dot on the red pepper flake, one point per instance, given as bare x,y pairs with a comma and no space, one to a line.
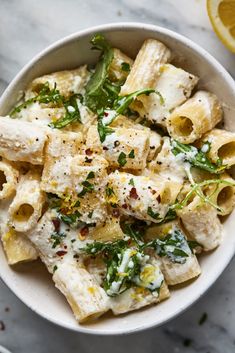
2,326
88,152
61,252
124,206
65,246
133,194
106,114
84,231
105,148
153,192
158,198
56,223
116,213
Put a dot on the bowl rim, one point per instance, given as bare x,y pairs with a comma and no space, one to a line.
70,38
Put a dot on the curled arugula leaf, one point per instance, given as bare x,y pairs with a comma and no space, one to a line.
45,95
72,114
197,158
174,246
120,106
96,96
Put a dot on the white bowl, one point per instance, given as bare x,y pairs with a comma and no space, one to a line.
31,283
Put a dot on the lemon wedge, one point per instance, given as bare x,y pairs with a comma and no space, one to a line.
222,16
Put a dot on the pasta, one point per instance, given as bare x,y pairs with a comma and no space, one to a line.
175,85
8,179
24,143
116,178
26,207
196,116
222,146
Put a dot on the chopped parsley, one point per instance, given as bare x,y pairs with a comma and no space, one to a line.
125,67
57,239
70,218
122,159
109,191
103,130
131,154
131,182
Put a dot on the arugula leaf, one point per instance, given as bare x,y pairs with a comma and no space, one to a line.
123,102
45,95
87,187
174,246
109,191
122,159
103,130
96,96
72,114
131,229
197,158
152,214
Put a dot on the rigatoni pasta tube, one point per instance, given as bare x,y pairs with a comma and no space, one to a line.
222,146
67,82
17,247
175,85
146,66
8,179
201,221
130,144
22,141
174,273
139,196
87,300
223,195
26,207
117,69
195,117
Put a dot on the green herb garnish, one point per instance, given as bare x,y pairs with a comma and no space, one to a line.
122,159
72,114
70,218
103,130
131,154
57,239
196,158
45,95
125,67
152,214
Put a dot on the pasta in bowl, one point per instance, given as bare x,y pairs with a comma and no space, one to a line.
116,176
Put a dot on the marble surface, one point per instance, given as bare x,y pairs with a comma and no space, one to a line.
26,27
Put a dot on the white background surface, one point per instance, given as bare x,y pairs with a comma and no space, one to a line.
26,27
